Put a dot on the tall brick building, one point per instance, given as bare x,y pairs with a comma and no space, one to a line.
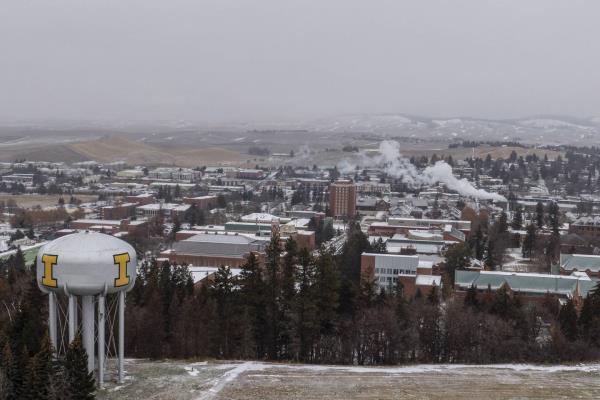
342,199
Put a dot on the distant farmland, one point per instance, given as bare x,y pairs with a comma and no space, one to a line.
33,200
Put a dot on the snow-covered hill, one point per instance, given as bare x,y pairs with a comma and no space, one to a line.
543,129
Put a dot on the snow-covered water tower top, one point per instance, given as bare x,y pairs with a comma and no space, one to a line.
86,264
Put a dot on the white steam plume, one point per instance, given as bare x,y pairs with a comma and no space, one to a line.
442,172
303,152
391,161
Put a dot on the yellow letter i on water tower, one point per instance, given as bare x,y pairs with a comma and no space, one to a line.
49,262
122,260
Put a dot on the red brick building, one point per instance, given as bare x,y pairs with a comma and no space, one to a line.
403,225
101,225
304,239
202,202
112,226
118,211
342,199
141,199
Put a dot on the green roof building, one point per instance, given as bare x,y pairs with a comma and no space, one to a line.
588,263
527,284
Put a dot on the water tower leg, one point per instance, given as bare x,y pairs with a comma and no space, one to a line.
75,315
72,318
52,319
101,323
121,334
87,305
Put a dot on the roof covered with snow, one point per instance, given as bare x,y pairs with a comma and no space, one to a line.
524,282
428,280
580,262
259,217
235,246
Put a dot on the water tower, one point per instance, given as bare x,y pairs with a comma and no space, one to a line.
89,266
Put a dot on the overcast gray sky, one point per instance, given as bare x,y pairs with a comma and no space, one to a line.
260,60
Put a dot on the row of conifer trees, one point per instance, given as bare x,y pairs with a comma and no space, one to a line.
317,308
29,368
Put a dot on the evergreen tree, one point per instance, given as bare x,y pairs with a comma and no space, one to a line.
28,325
418,294
19,260
529,242
502,222
504,305
517,222
166,292
194,215
553,246
253,298
539,214
327,282
554,217
447,289
490,256
41,373
306,305
589,317
458,256
273,255
471,299
379,246
221,201
288,291
176,227
4,383
80,384
13,371
567,318
356,244
222,290
479,243
433,295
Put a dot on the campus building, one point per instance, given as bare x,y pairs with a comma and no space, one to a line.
531,287
389,269
587,263
342,199
215,250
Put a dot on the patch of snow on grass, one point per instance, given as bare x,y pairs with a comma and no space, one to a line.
230,376
191,371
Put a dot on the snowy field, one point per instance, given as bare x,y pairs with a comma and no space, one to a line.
252,380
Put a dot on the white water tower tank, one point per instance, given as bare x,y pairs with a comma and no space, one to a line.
86,264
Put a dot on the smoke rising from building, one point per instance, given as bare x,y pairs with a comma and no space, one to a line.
389,159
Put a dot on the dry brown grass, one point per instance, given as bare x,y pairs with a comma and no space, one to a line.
461,153
33,200
180,380
134,152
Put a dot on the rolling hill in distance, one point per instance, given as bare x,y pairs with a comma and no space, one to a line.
188,144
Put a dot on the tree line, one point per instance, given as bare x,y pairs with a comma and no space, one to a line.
317,308
297,306
29,368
